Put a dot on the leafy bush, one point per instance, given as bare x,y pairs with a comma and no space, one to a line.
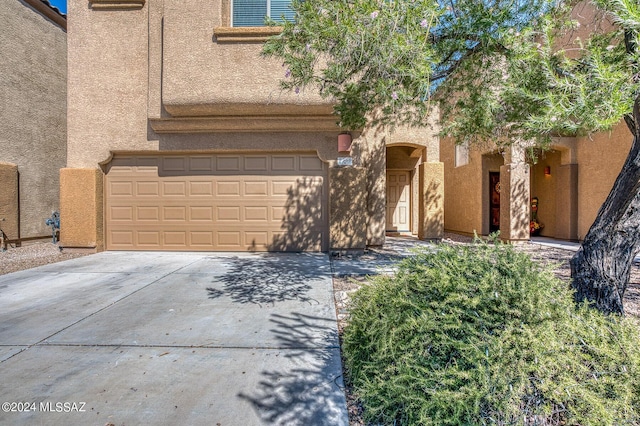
483,335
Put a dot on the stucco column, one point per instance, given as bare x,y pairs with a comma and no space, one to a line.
369,151
514,197
81,209
9,212
431,201
347,201
567,202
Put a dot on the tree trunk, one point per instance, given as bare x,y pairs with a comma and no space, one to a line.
602,267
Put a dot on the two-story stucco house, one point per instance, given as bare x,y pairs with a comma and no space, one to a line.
33,109
179,138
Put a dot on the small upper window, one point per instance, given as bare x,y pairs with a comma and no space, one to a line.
251,13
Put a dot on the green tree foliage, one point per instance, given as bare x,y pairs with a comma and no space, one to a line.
386,58
501,69
482,335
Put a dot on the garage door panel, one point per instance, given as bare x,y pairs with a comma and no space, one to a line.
228,163
202,239
256,213
147,213
200,189
175,238
174,213
174,189
148,238
201,164
122,213
120,189
121,238
174,164
311,163
217,202
147,189
228,189
201,213
228,239
256,188
228,214
254,163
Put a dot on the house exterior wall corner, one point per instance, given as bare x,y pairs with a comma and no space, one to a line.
81,208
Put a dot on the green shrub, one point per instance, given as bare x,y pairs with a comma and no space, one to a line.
482,335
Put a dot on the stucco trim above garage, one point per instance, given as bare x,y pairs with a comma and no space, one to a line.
245,124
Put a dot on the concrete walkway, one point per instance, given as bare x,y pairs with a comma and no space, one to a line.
172,338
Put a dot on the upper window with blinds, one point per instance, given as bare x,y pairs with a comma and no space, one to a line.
251,13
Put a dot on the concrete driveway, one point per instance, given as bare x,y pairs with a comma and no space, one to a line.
171,338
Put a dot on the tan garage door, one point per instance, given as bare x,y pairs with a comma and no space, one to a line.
241,202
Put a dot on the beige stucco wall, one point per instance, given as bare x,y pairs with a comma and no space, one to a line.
347,197
204,76
600,159
108,80
81,208
33,109
431,201
9,221
463,186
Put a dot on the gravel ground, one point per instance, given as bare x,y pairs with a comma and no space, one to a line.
32,255
559,258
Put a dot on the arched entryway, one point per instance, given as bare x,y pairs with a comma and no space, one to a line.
402,188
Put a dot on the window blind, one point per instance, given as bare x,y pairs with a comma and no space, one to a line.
280,8
251,13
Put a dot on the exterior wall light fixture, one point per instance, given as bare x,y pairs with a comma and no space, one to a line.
547,170
344,143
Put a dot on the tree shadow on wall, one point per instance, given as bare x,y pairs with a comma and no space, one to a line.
304,218
433,224
515,224
308,389
270,278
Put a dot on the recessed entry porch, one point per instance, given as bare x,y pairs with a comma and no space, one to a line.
414,192
512,183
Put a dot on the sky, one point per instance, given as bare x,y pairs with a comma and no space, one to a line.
60,4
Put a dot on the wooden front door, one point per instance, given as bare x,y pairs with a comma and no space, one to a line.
398,201
494,201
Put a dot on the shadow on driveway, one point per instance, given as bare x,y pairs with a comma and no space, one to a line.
269,279
311,392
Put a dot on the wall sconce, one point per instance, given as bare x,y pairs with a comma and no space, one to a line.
344,143
547,170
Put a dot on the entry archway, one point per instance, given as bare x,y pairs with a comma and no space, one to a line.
402,188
